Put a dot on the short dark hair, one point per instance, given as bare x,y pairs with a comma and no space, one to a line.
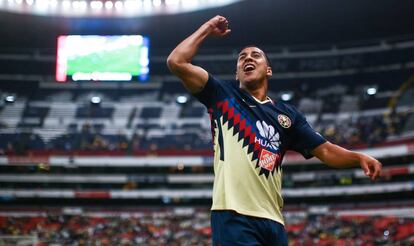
269,64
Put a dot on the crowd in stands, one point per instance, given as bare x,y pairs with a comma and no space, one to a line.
181,229
353,133
351,230
366,131
148,229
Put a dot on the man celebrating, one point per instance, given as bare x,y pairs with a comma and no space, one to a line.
251,135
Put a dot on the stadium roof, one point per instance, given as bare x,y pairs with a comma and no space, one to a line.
263,22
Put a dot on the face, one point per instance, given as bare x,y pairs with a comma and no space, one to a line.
252,66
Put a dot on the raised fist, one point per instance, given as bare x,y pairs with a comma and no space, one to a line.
219,26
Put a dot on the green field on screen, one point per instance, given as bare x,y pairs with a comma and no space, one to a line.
124,60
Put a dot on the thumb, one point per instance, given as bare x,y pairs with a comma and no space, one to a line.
365,167
227,31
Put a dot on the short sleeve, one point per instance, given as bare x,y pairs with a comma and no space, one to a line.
209,93
304,138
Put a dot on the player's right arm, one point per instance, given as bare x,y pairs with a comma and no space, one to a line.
179,61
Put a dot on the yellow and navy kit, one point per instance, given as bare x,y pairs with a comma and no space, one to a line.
250,139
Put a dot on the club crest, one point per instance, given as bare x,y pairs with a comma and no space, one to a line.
284,121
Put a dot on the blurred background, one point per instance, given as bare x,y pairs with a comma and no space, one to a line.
101,145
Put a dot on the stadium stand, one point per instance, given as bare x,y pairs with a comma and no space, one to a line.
191,226
77,172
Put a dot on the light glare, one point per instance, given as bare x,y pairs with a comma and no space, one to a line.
156,3
53,3
286,96
172,2
95,100
109,5
372,91
181,99
66,4
118,5
96,5
10,99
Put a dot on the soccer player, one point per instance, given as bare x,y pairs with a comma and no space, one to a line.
251,135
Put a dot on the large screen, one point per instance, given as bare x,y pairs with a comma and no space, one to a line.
102,58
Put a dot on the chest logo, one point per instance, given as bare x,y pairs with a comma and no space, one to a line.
268,160
270,137
284,121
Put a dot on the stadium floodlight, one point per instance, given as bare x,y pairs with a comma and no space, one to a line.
96,5
66,4
156,3
109,5
79,5
79,8
83,5
148,4
286,96
181,99
131,5
75,4
371,91
119,5
96,100
41,5
172,2
10,99
53,3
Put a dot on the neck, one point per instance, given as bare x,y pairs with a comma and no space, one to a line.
259,91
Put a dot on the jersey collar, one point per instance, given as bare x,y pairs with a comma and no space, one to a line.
268,99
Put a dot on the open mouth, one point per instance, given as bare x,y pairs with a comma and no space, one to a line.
248,67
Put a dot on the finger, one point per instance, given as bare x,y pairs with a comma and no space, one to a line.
223,28
366,169
222,25
217,19
223,21
377,170
226,32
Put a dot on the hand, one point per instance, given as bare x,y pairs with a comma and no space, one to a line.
372,167
219,26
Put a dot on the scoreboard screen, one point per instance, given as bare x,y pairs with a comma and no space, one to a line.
102,58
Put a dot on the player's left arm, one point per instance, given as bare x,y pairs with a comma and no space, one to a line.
338,157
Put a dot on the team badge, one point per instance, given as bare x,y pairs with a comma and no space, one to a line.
284,121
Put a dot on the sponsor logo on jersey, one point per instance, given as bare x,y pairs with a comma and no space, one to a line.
270,137
284,121
268,160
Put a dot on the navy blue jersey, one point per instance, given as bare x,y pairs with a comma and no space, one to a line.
250,139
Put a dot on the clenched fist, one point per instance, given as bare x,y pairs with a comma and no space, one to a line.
219,26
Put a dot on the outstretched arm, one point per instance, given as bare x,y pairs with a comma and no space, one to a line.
336,156
179,61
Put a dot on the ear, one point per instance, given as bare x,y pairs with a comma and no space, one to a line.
269,72
237,77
